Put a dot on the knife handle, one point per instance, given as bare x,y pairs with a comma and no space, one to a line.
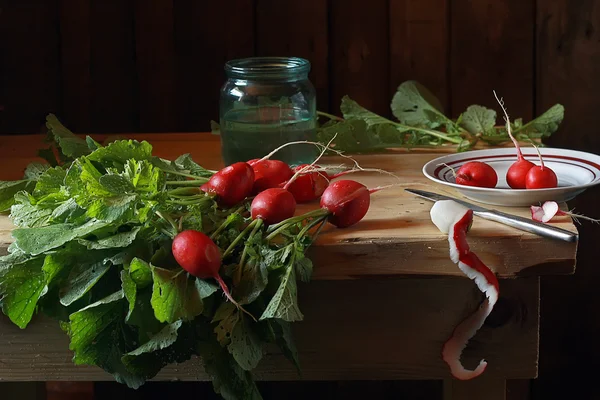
528,225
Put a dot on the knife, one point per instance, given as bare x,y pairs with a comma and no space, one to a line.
515,221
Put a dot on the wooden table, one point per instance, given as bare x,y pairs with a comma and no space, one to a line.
384,298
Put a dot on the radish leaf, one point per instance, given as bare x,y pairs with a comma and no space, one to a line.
284,303
478,119
245,345
174,295
100,337
174,343
413,104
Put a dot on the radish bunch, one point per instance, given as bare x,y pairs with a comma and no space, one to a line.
272,189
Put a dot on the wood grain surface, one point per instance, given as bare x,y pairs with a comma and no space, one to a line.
396,237
353,330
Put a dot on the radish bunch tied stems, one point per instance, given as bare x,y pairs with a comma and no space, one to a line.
146,262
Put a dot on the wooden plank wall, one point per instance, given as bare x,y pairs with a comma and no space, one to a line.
157,65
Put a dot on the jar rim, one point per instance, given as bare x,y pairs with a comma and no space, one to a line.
267,67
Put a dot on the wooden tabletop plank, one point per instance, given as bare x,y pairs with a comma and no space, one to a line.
353,330
396,237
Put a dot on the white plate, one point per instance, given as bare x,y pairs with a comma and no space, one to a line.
576,171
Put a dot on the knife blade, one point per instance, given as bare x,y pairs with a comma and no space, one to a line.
514,221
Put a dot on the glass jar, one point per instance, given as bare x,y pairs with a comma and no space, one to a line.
265,103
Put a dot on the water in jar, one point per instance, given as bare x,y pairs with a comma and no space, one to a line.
249,133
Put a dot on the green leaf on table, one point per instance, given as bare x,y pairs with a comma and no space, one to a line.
283,338
478,119
130,291
185,162
34,170
140,273
413,104
116,184
100,337
205,288
92,144
49,184
284,303
8,189
174,295
303,266
70,145
48,155
144,176
245,345
352,110
545,124
116,154
173,344
140,312
227,316
25,215
121,239
81,279
23,283
114,208
228,378
39,240
69,211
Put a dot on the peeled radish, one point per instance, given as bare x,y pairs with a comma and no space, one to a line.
550,209
455,220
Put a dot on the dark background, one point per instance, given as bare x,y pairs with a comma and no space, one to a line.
157,65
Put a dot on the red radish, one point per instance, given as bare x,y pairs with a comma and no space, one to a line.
515,176
232,184
273,205
269,174
204,187
540,176
477,173
307,186
196,253
347,201
454,220
549,209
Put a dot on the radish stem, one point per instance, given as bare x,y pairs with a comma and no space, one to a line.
508,129
539,155
228,295
239,237
238,272
330,116
188,182
225,223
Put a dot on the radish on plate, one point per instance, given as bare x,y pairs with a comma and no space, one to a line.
455,220
515,176
476,173
540,176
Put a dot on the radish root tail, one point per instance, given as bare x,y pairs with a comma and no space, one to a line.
228,295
